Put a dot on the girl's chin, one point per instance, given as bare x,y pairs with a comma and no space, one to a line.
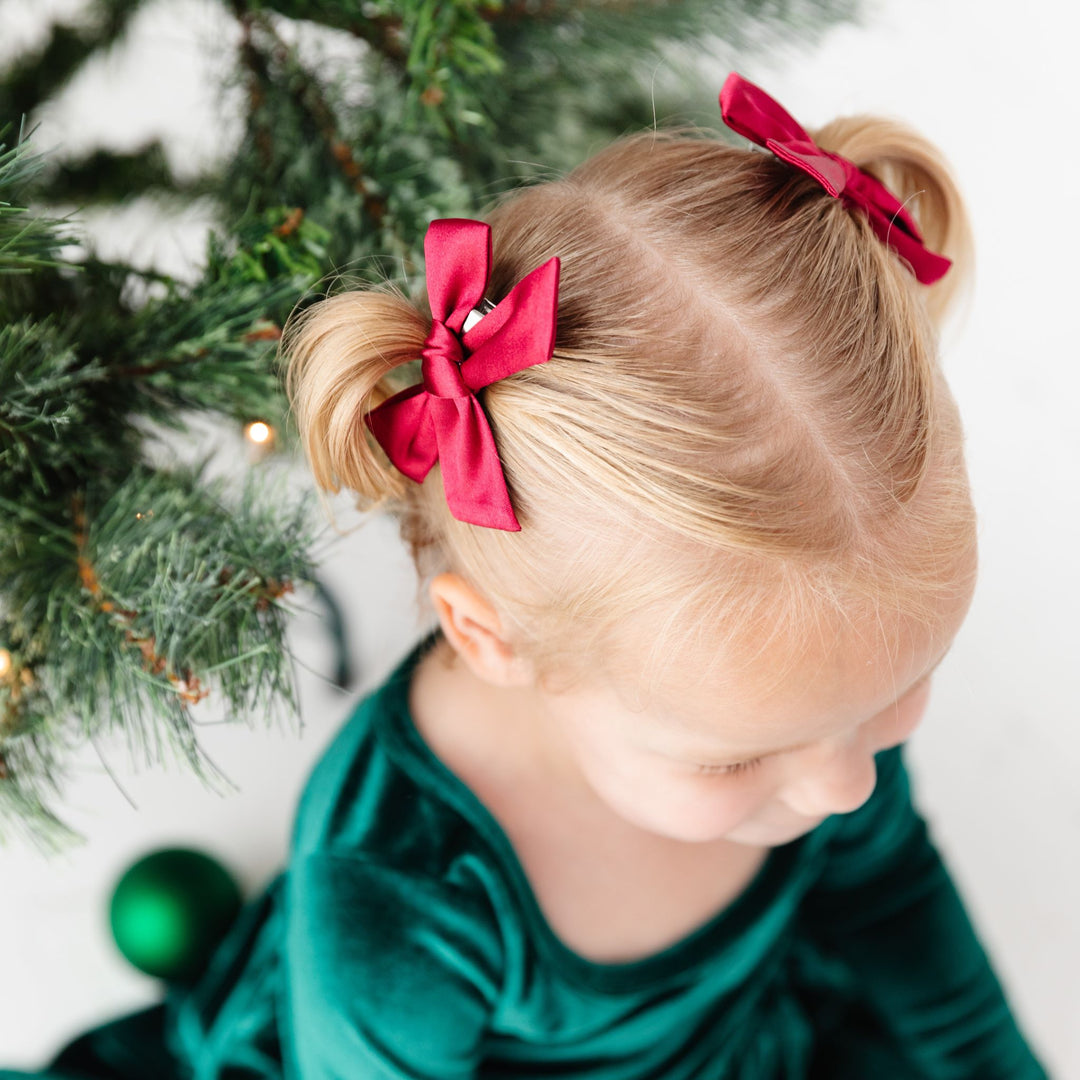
757,833
751,833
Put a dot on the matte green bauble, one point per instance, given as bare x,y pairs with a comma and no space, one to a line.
170,910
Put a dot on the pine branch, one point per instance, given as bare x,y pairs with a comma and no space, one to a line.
27,241
154,610
305,90
46,402
211,347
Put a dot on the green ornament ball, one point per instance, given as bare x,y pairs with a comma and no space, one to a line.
169,911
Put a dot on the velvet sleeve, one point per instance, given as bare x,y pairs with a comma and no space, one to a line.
886,904
388,974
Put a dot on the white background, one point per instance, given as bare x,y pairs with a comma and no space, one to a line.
995,764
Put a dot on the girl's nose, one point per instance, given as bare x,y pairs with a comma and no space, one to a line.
836,778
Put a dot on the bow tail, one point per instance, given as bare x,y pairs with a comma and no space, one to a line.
927,265
471,471
404,428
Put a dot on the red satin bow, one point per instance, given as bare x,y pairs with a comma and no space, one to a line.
440,419
747,109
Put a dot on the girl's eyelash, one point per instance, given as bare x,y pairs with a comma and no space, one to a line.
728,770
745,766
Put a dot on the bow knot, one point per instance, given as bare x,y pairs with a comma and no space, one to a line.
440,365
750,112
440,418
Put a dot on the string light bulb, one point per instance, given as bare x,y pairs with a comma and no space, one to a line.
5,663
259,432
260,438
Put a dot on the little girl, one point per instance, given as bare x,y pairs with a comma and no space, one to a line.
699,534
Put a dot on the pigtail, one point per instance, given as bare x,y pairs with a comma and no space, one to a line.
339,356
915,171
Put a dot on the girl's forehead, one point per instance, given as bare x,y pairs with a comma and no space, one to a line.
701,720
816,682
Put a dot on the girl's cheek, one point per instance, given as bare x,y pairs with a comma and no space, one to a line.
901,721
725,798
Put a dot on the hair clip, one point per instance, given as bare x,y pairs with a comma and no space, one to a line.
477,314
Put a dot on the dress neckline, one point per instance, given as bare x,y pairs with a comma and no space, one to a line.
721,931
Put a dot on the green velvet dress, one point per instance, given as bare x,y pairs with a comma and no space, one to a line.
403,940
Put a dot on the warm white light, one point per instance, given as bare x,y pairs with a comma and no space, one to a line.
5,663
258,432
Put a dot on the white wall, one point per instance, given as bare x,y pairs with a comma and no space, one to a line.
996,762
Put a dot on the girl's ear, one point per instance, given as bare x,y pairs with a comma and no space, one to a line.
473,628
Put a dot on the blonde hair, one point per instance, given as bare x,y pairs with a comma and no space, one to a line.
743,425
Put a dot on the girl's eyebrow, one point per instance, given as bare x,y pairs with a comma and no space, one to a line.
708,762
